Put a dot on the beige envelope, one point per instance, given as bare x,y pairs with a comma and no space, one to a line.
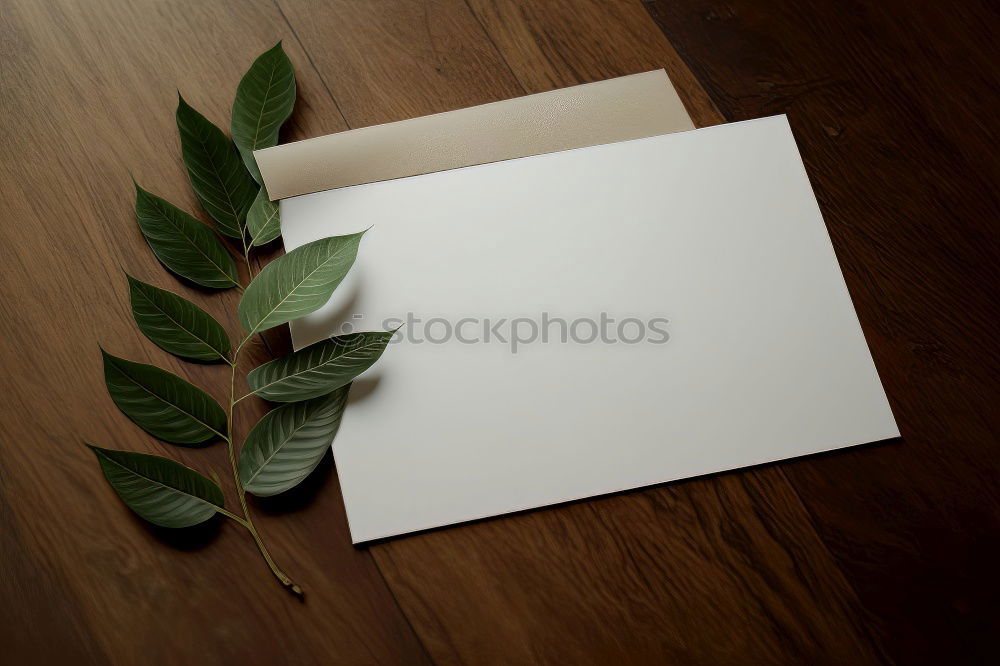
628,107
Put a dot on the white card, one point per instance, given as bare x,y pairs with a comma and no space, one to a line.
741,345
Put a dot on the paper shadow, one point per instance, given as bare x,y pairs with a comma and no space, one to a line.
857,449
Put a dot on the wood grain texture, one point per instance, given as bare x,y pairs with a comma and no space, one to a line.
713,571
824,560
88,96
563,43
894,106
388,61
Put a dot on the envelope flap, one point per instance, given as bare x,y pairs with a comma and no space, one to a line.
628,107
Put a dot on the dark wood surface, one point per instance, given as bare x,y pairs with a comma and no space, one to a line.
885,553
895,106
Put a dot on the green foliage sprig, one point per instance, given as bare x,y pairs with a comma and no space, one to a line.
312,384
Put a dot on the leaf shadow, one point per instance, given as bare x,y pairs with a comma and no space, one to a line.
185,538
305,492
345,317
190,284
269,250
363,387
197,361
301,495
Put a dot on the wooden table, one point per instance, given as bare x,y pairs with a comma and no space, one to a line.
877,554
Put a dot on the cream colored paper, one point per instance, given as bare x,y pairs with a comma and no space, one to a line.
628,107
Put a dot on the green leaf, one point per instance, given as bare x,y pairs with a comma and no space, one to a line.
176,324
319,368
182,243
288,443
264,101
263,221
298,283
160,490
161,403
217,174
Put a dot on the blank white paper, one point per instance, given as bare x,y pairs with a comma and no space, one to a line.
716,230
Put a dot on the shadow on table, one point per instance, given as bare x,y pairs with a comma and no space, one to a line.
186,538
198,536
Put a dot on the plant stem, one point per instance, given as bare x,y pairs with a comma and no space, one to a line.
246,258
247,520
231,515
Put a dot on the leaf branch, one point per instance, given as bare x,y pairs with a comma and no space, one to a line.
288,443
247,520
